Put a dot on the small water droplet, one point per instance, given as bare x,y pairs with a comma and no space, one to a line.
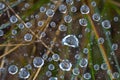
38,62
65,65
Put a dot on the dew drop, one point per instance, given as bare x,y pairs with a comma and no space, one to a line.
73,9
62,8
40,23
83,62
96,67
28,37
77,56
42,9
24,73
38,62
106,24
87,76
53,78
71,41
12,69
83,22
56,57
13,19
14,32
84,9
115,75
50,13
1,33
68,19
116,19
100,40
48,73
52,24
62,27
75,71
96,17
28,24
85,50
70,2
45,56
93,3
2,6
51,67
65,65
114,46
21,26
104,66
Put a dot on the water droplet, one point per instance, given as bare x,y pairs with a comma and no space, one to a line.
1,33
73,9
70,40
48,73
43,34
28,66
114,46
68,19
96,17
52,24
45,56
104,66
28,24
24,73
83,62
85,50
93,3
77,56
116,19
27,5
65,65
70,2
115,75
52,6
40,23
56,57
12,69
76,71
13,19
53,78
87,76
62,27
28,37
38,62
20,26
83,22
50,59
42,9
2,6
51,67
62,8
100,40
50,13
84,9
106,24
14,32
96,67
